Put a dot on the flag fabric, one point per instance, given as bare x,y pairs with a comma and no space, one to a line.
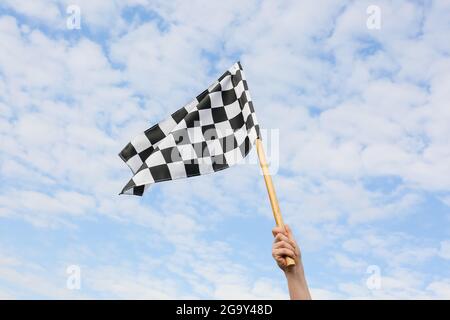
213,132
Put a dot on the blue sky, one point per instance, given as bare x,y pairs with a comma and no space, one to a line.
364,148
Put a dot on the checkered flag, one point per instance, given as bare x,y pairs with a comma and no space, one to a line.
213,132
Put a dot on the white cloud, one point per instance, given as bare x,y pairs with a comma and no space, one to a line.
42,209
440,289
65,112
46,12
444,250
345,262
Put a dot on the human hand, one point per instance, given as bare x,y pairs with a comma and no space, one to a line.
284,245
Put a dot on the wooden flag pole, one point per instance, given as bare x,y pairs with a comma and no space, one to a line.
271,191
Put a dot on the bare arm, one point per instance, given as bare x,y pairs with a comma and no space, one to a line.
285,245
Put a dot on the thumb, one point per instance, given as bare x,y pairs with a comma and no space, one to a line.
289,232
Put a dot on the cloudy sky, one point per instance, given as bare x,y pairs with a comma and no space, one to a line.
360,105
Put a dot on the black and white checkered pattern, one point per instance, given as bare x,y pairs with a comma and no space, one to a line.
213,132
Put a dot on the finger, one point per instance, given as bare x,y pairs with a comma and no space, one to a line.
284,244
289,232
281,237
283,252
290,235
277,230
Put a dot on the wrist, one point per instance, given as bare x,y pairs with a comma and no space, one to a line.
297,269
295,273
298,288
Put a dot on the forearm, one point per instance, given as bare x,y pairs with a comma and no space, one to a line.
298,288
